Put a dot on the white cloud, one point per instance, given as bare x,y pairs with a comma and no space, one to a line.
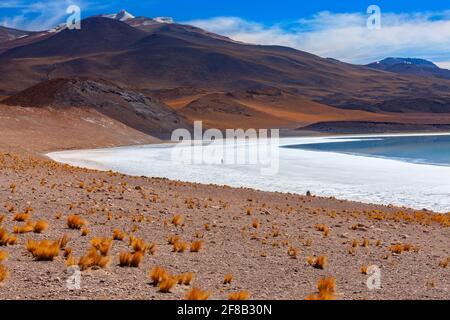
346,36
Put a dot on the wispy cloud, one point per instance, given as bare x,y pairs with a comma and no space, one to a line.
346,36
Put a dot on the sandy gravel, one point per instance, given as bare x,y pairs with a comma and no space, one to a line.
257,257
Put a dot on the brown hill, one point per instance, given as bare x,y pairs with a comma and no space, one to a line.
165,56
131,108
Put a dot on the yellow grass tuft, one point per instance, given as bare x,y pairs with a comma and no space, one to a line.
241,295
118,235
75,222
3,256
40,226
227,279
167,284
255,223
366,243
44,250
197,294
319,263
103,245
70,261
92,259
3,273
127,259
63,241
196,246
363,269
179,247
158,274
21,217
28,227
185,278
85,231
443,264
177,220
67,252
293,252
138,245
326,290
173,239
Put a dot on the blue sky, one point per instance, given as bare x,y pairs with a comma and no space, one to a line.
414,28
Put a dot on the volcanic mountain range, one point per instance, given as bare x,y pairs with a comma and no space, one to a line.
154,76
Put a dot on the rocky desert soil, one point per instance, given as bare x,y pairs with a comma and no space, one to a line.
268,242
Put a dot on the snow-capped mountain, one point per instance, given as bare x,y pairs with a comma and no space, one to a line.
122,15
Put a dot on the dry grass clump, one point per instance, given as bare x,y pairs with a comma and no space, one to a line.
255,223
3,273
355,243
103,245
6,239
85,231
139,245
173,239
227,279
63,241
75,222
319,263
167,284
366,243
118,235
128,259
179,247
363,269
241,295
443,264
158,274
177,220
28,227
44,250
197,294
3,256
293,252
400,248
40,226
21,217
92,259
185,278
326,290
196,246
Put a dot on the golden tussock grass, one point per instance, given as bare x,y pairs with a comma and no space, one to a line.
103,245
363,269
173,239
177,220
400,248
167,284
443,264
67,252
157,275
92,259
319,263
326,290
185,278
3,273
128,259
255,223
63,241
139,245
3,256
207,227
40,226
118,235
58,215
21,217
2,217
293,252
7,239
241,295
196,246
249,211
85,231
70,261
28,227
366,243
355,243
197,294
44,250
227,279
307,243
75,222
179,247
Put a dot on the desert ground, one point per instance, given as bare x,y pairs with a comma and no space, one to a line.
275,246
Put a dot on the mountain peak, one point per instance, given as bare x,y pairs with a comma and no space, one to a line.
122,15
407,61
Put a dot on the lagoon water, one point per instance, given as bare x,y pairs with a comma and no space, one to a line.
404,170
